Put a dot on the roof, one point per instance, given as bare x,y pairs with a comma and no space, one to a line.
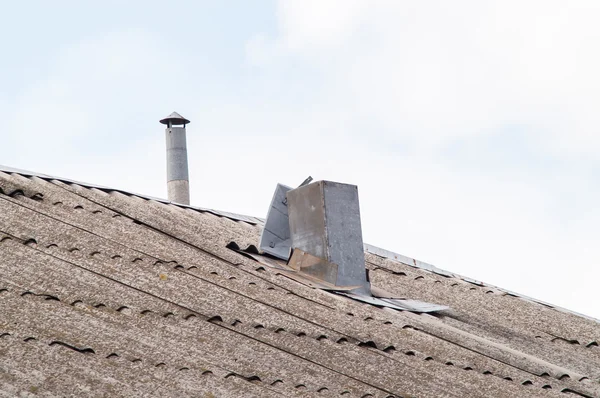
104,292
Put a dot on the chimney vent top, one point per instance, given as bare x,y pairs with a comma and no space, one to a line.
174,119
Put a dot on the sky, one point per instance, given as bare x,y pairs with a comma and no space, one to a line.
470,127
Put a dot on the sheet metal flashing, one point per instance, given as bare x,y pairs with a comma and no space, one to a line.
398,304
275,238
231,216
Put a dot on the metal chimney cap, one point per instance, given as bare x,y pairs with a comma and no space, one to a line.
174,119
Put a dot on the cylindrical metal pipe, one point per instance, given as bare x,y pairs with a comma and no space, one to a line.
178,185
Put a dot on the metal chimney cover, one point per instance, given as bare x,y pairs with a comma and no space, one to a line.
175,119
325,222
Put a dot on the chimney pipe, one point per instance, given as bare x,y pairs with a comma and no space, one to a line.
178,185
324,223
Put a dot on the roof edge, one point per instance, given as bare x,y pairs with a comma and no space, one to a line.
231,216
411,262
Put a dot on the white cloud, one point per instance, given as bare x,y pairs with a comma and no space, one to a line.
85,113
417,103
469,127
456,69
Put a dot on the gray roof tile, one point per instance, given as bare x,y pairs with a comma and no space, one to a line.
103,292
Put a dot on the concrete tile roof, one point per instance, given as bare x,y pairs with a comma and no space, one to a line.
105,293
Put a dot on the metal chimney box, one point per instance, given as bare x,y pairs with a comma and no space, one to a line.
325,222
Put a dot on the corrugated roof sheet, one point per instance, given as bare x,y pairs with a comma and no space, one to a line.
107,293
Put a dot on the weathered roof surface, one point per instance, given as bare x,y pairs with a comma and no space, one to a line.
104,293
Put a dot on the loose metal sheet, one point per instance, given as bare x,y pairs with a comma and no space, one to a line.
275,238
398,304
